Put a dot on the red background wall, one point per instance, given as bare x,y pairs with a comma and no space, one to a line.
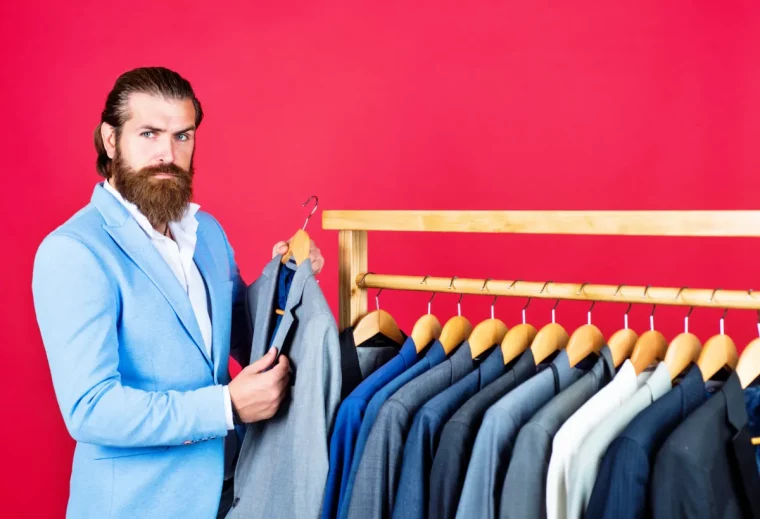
389,105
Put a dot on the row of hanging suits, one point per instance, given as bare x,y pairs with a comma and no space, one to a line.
438,432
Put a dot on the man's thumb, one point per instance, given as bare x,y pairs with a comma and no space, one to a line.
264,362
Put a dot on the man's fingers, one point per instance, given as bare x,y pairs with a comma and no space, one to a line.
264,362
281,247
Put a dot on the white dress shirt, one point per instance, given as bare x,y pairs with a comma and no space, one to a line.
178,254
590,455
568,440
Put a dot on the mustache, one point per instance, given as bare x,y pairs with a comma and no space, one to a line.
166,169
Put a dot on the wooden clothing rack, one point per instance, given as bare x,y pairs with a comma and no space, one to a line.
352,227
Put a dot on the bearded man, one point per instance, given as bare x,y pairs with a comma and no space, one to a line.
139,302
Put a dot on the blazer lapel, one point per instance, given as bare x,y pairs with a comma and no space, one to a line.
303,271
264,308
126,232
220,299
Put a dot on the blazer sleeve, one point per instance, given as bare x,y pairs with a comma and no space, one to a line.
241,337
76,304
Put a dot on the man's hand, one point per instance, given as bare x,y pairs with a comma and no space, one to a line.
256,395
315,255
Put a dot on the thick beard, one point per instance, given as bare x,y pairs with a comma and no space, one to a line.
160,200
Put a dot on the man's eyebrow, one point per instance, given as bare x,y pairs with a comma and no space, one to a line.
148,127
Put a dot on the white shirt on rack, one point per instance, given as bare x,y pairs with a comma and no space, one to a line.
568,440
178,254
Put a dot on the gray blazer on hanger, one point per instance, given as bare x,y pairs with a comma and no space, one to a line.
283,463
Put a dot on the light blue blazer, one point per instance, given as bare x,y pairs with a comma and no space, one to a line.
136,388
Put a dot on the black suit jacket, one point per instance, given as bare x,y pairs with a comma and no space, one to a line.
706,468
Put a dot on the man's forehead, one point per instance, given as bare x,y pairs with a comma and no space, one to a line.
151,109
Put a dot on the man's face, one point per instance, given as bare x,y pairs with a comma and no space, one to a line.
153,156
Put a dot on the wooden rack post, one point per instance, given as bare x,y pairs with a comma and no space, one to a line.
353,227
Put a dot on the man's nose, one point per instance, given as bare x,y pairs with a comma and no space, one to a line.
166,155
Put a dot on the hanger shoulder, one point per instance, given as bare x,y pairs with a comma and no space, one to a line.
585,340
650,346
549,339
516,341
455,332
299,247
485,335
621,345
718,352
683,350
377,321
427,328
748,366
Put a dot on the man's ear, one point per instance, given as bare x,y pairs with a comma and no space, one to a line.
108,134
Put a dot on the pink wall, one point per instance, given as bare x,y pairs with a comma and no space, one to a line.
389,105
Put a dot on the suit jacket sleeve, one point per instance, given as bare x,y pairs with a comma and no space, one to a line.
242,327
77,309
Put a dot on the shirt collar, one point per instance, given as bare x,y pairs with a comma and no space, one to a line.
184,230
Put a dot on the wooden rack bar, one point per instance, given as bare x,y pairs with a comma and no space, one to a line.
354,225
697,297
627,223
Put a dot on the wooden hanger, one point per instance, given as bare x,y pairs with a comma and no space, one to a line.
456,330
748,367
377,321
622,341
427,328
718,352
585,340
650,346
549,339
299,246
518,338
683,350
487,333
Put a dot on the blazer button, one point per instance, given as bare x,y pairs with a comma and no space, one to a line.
235,502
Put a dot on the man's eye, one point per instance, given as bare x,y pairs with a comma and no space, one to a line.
147,134
183,137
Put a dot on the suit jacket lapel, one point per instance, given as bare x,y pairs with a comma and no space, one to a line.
293,301
264,309
127,233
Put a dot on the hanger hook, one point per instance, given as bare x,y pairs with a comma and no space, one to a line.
625,315
646,290
679,292
617,290
377,298
361,283
589,311
316,204
686,320
424,279
485,283
493,303
713,295
544,288
430,301
580,290
459,305
651,318
554,308
451,285
524,309
512,285
722,321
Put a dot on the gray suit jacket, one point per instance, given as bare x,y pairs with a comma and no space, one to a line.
283,463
